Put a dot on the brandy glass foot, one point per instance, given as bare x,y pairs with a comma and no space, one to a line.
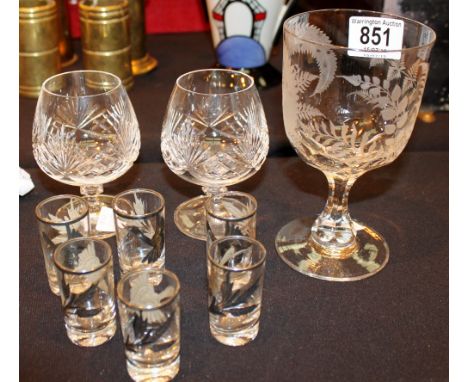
190,217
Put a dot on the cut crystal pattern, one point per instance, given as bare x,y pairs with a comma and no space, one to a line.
207,148
78,142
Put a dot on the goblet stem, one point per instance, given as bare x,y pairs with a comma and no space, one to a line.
333,230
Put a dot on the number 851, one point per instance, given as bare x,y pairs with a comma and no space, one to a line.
376,35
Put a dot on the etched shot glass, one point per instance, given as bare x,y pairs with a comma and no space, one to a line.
236,267
139,222
86,281
60,218
149,311
231,213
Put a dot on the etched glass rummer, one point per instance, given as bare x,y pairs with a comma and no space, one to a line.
347,111
86,133
215,135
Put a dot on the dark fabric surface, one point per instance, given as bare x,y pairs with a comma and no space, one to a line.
390,327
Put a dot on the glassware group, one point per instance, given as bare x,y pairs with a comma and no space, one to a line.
346,111
79,268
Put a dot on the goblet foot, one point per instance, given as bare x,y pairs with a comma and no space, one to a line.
190,218
295,246
101,218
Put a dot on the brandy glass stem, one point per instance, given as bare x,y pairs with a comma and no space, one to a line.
210,191
190,216
91,191
98,202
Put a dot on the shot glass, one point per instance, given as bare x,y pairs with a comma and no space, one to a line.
149,311
60,218
139,221
86,281
230,213
236,268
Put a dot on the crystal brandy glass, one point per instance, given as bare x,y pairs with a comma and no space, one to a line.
215,135
346,112
86,134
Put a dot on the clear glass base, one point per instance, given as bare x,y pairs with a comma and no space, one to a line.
234,338
91,339
161,373
190,218
101,226
295,247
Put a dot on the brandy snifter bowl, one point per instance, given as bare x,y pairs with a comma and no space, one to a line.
348,109
86,134
214,135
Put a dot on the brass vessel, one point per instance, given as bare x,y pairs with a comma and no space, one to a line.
67,54
39,56
105,37
142,62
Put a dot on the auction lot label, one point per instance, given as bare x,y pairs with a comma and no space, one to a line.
375,37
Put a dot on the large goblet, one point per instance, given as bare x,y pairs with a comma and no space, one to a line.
215,135
347,111
85,134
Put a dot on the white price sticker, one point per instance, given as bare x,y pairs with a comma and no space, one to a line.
105,221
375,37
